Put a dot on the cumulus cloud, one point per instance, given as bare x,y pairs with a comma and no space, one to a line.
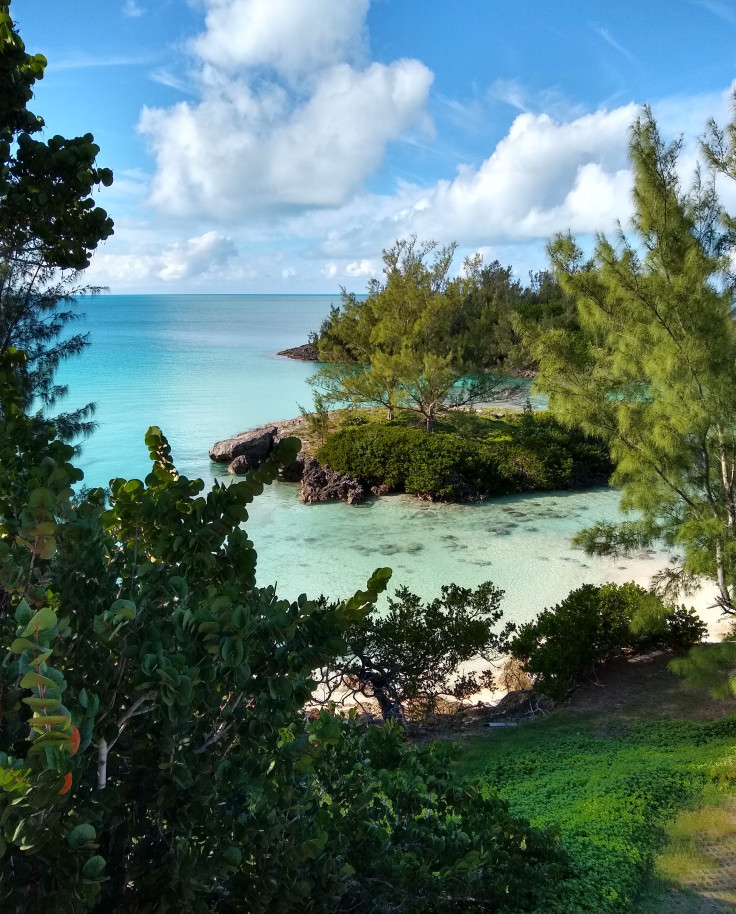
195,259
284,122
544,176
362,268
296,39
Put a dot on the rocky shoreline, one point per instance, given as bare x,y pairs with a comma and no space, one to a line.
248,450
305,353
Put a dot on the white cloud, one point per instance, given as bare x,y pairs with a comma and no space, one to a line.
329,270
256,143
543,177
362,268
617,46
132,9
196,259
288,273
510,92
292,37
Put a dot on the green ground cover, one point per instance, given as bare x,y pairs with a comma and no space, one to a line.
611,790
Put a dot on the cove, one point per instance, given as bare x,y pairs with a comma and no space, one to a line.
203,367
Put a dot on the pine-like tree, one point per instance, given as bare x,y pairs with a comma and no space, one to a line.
653,368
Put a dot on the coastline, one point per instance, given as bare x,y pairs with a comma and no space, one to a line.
639,569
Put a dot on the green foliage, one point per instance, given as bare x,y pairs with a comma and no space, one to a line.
318,420
609,793
710,665
414,342
455,847
536,455
46,210
563,645
652,369
483,326
409,655
154,751
48,222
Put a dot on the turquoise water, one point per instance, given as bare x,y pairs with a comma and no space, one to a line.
204,367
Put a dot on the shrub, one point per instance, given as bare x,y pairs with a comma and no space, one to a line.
408,656
563,645
685,628
535,456
354,420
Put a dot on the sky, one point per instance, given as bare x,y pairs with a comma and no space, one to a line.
278,146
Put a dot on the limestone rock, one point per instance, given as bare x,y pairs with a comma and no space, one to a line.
239,466
324,484
305,353
254,445
294,471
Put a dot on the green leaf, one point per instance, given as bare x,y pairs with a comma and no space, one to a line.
179,586
40,704
36,681
45,618
93,868
42,498
124,609
82,834
48,720
23,613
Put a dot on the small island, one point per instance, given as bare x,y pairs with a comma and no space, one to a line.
416,362
470,456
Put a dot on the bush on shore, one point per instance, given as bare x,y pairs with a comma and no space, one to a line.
564,645
532,453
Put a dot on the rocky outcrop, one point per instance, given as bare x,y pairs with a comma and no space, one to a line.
320,483
305,353
294,471
254,446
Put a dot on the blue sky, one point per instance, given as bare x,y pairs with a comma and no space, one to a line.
280,145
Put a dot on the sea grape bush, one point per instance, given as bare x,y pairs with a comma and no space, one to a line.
154,751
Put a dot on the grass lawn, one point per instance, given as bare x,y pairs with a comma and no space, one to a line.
635,773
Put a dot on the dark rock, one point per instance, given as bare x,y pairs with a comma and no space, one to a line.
254,445
305,353
293,471
323,484
239,467
381,489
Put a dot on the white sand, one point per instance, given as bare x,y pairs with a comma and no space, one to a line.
641,570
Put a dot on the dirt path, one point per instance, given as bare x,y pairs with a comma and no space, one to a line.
699,862
643,690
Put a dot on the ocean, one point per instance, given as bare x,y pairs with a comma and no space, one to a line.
204,367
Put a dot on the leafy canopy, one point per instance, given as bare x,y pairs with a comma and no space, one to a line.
398,348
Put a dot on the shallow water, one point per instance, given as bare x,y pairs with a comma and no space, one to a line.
204,368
